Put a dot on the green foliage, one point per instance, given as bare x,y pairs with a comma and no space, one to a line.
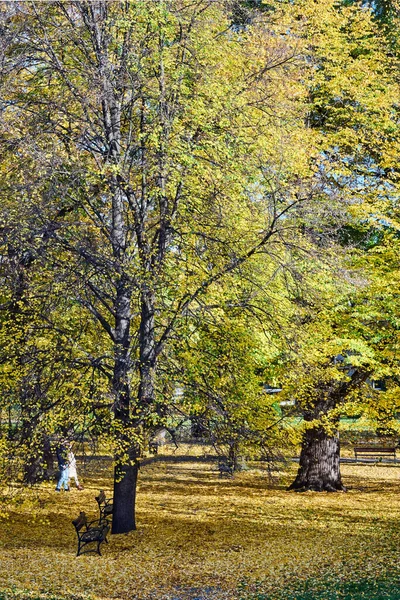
224,366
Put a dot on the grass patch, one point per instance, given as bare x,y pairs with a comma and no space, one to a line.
199,536
326,588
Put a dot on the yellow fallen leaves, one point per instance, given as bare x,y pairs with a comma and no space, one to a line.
196,530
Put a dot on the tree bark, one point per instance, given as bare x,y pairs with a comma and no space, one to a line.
125,480
319,469
147,363
125,474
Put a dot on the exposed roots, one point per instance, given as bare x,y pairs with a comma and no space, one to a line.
317,486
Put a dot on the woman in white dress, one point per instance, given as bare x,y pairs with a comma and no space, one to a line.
72,469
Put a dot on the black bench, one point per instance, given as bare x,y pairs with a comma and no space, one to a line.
105,506
374,451
94,532
225,467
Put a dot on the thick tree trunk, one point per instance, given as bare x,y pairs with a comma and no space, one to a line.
125,480
38,467
125,474
319,469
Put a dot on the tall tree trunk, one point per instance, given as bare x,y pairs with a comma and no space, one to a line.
125,482
319,468
125,477
126,472
126,468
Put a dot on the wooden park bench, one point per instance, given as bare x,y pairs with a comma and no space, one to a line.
93,532
225,467
105,506
374,451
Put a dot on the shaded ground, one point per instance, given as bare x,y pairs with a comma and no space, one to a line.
203,537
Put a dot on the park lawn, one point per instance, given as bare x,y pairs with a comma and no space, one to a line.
198,532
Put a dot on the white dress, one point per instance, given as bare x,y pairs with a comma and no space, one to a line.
72,467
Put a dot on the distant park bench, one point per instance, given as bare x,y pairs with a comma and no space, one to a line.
93,532
105,505
374,451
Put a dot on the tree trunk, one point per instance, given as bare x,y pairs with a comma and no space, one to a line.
39,464
146,394
32,469
319,469
125,474
125,480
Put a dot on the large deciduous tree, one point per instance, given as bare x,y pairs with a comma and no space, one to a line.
353,112
154,150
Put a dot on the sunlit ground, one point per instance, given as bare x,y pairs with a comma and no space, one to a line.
200,536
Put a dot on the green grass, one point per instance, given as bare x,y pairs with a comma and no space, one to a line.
327,589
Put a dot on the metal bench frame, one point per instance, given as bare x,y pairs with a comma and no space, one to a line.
94,532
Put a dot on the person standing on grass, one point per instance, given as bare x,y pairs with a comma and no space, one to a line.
62,458
72,474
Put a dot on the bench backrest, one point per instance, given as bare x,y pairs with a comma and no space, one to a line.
383,449
101,498
80,522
